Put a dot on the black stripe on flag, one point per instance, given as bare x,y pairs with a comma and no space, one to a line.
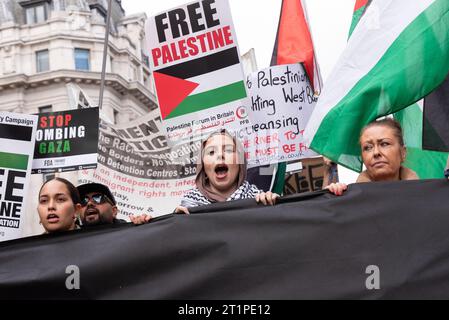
436,119
197,67
13,132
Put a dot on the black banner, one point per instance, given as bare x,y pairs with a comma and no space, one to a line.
377,241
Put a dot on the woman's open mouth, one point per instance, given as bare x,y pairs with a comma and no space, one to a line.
52,218
221,171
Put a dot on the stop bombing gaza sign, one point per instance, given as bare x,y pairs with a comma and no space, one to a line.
196,67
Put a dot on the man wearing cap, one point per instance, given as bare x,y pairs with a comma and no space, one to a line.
98,205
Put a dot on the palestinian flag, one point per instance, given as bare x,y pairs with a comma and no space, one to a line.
359,9
427,164
294,43
200,84
391,61
436,119
11,133
195,62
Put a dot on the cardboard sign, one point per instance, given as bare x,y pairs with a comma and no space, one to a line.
66,141
17,138
281,101
196,67
310,178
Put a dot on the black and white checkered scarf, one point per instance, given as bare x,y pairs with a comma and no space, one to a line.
194,197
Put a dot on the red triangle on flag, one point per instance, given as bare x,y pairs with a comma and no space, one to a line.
171,91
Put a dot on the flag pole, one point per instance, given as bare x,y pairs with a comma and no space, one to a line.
105,54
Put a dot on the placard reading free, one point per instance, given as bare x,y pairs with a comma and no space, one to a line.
196,66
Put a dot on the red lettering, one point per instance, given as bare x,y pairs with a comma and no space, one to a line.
156,53
193,47
43,122
173,52
68,118
166,55
51,118
182,49
202,43
228,35
289,148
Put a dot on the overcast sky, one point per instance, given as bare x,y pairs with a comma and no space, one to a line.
256,21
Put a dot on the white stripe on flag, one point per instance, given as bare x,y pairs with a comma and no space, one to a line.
218,79
380,26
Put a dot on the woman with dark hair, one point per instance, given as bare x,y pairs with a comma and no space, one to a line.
383,152
220,176
59,205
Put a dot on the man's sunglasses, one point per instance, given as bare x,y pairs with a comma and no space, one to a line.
98,198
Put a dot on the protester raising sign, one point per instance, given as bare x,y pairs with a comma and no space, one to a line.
17,138
281,102
143,172
66,141
196,66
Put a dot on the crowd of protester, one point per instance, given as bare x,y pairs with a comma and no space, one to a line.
220,177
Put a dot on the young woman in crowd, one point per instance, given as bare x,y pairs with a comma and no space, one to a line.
59,205
220,177
383,152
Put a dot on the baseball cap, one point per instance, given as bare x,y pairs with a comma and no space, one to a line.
95,187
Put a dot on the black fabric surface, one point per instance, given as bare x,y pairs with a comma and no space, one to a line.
309,246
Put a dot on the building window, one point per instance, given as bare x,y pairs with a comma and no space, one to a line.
145,59
45,109
42,61
58,5
115,116
82,59
36,14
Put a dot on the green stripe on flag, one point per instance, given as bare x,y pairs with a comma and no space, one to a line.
209,99
13,161
427,164
355,19
414,65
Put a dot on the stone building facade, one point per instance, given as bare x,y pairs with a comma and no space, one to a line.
47,44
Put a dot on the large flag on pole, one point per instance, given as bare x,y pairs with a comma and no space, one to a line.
436,119
359,9
293,44
391,61
427,164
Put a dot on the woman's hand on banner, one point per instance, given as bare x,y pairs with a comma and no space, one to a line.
140,219
337,188
182,210
267,198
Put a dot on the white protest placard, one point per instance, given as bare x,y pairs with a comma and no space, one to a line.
280,103
17,139
144,174
196,67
